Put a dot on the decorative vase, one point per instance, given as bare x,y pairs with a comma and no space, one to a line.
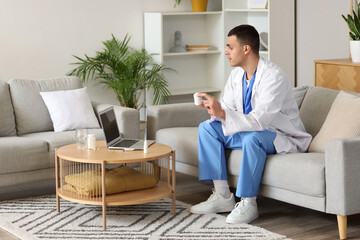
355,50
199,5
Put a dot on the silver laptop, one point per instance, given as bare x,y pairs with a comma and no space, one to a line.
112,135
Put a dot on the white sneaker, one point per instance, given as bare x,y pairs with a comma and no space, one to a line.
244,212
215,204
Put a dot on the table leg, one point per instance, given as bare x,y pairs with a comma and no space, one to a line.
173,183
57,182
103,193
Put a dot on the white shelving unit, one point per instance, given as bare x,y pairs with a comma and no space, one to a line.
208,71
195,71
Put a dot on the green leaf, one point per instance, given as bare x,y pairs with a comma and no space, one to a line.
352,36
351,24
125,70
177,2
356,23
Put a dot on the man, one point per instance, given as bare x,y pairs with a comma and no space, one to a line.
258,114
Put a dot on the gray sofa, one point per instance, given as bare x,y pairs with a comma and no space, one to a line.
328,182
27,138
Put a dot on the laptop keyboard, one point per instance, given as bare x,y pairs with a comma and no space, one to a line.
126,143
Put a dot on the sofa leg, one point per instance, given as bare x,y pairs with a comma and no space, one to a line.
342,224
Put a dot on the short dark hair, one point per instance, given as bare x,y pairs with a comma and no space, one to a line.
247,35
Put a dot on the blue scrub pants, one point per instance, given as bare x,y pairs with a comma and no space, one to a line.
255,147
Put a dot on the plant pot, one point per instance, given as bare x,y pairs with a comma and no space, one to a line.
199,5
355,50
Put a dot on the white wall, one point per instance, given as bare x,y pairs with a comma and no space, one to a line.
321,34
39,37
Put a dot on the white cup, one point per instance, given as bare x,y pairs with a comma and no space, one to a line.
81,135
197,100
91,142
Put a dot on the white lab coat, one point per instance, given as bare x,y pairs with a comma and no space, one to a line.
274,108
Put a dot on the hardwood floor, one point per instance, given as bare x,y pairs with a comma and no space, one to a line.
295,222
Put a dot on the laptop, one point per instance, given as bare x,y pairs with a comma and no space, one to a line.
112,135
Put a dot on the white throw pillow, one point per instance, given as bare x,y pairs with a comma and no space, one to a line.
70,109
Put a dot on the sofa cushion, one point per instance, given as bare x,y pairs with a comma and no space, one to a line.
30,110
184,140
343,121
234,161
19,154
59,139
299,94
315,107
7,118
70,109
298,172
174,115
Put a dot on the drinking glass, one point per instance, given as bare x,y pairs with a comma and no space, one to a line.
81,138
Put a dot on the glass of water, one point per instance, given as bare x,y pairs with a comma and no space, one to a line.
81,138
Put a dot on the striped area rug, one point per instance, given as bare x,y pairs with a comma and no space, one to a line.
37,218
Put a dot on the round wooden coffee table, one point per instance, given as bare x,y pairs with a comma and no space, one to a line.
68,159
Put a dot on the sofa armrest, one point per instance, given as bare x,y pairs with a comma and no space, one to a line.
128,119
342,168
174,115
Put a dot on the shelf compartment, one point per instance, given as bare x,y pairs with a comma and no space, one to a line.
196,29
194,73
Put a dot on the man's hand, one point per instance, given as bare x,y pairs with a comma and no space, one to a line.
212,105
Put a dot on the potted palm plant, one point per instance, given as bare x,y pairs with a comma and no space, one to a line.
125,70
353,23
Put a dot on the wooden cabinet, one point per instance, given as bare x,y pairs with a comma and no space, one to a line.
339,74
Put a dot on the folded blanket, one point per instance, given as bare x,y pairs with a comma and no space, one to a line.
118,179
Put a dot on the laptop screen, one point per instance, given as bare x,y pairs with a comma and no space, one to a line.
109,125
